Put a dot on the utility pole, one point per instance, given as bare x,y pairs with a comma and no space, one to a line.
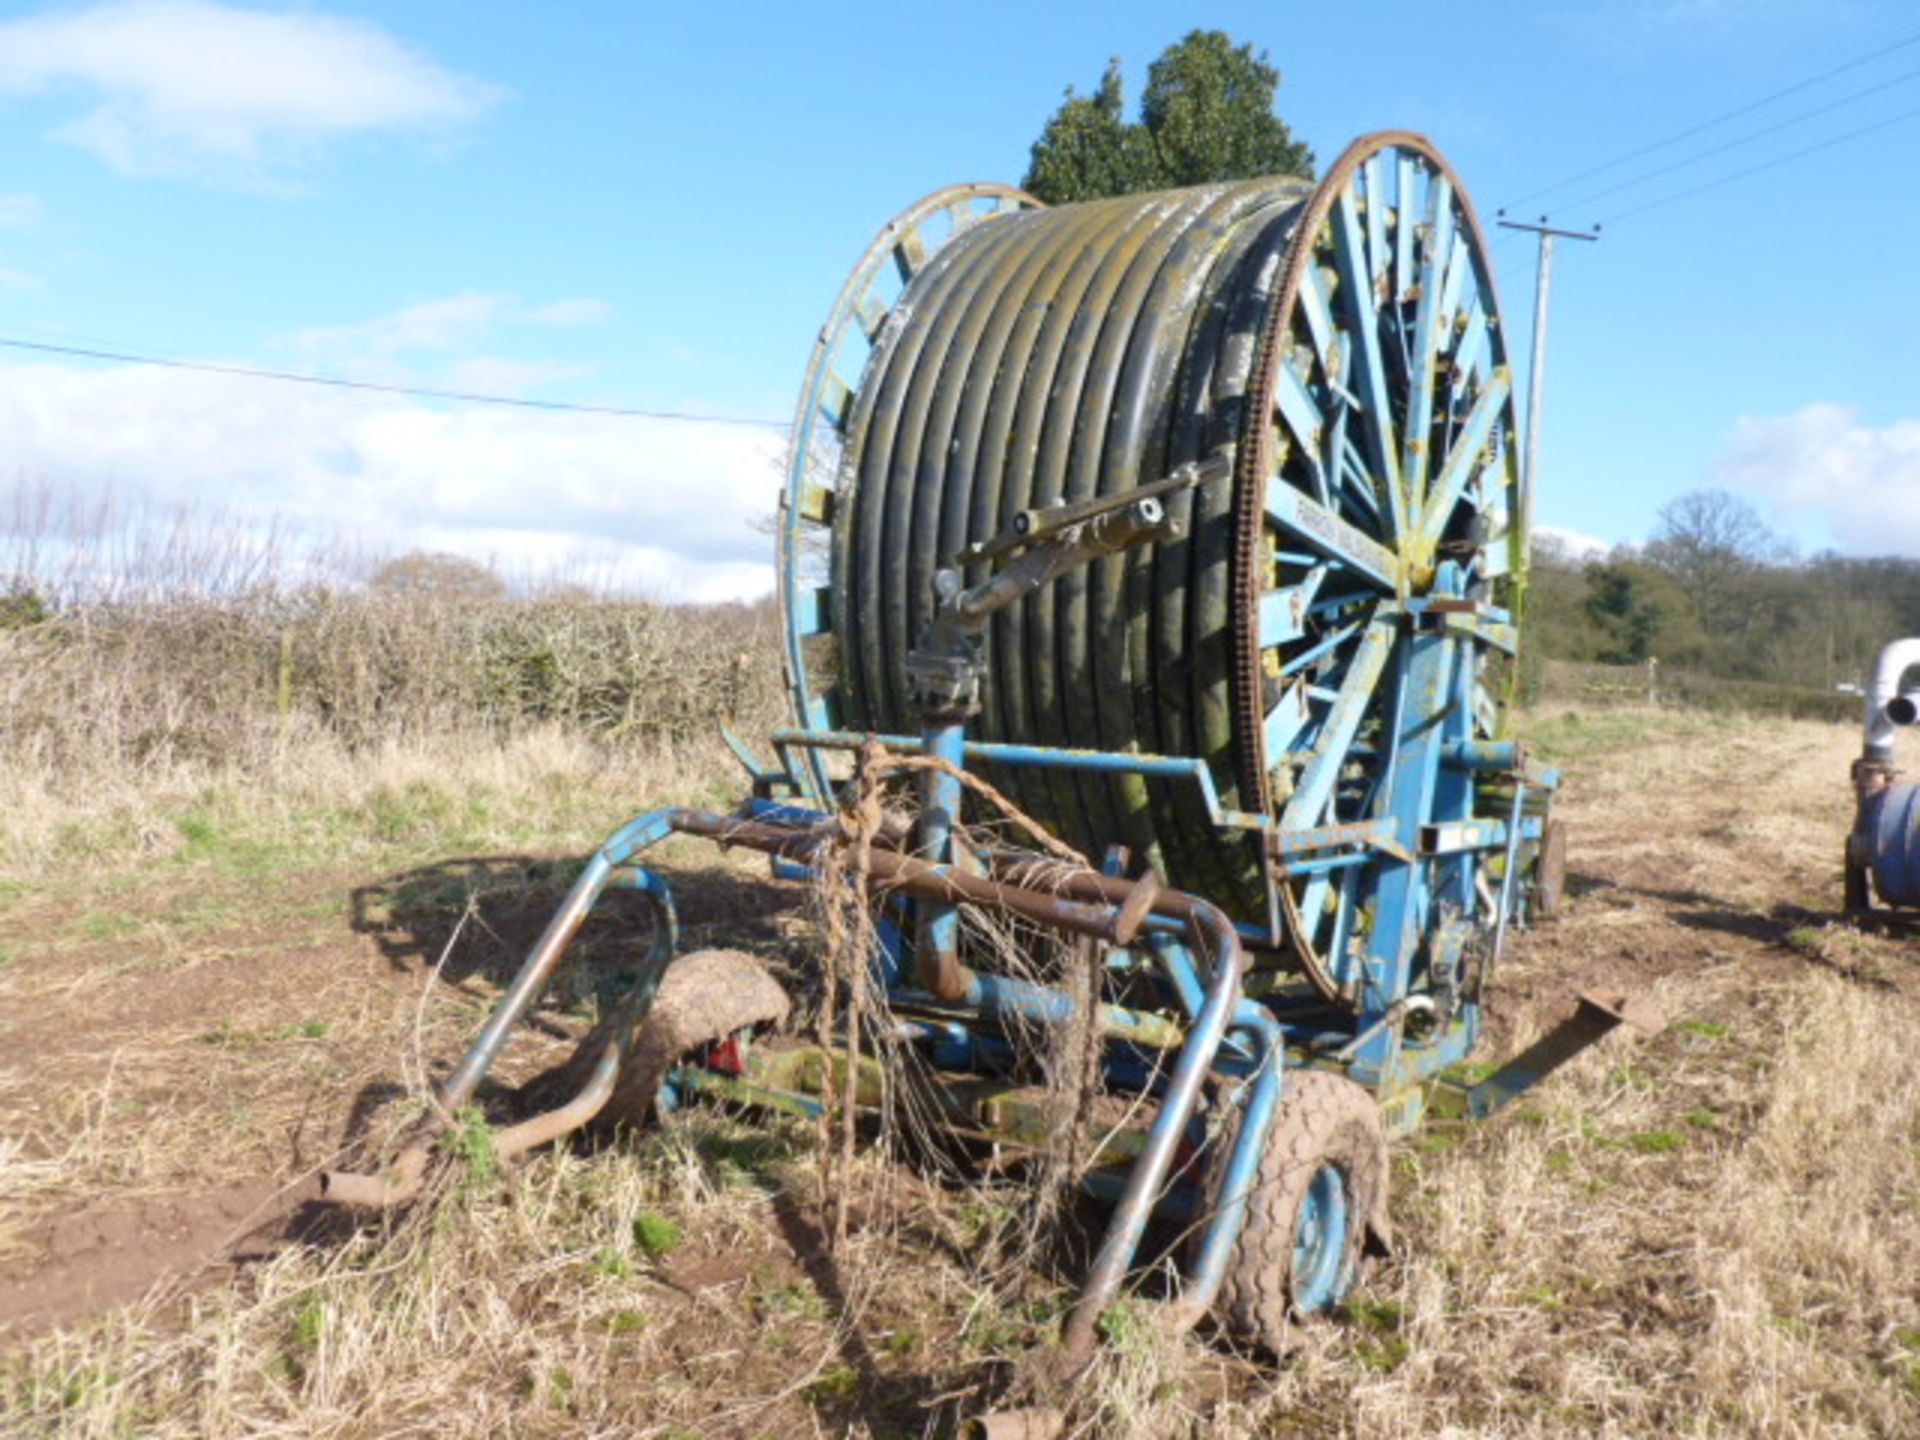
1537,366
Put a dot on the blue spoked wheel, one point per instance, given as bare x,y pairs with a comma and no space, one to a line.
1320,1241
1385,480
1320,1187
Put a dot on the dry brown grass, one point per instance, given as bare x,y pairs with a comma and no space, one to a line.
103,707
147,656
1712,1232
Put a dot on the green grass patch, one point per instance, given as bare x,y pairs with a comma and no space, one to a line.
836,1384
470,1141
198,829
655,1234
1706,1029
1576,735
627,1322
1469,1072
108,925
309,1323
1123,1326
1383,1346
1656,1142
612,1264
791,1299
750,1160
1376,1315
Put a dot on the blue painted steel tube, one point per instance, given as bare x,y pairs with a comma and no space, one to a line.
781,812
1229,1217
1510,875
1002,996
1176,962
936,923
1484,755
1035,757
1149,1174
540,963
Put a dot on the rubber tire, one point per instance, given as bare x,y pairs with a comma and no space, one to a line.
703,997
1322,1118
1859,882
1549,879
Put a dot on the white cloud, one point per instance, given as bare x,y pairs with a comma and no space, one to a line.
451,323
214,91
1577,543
20,212
667,506
1862,482
581,311
513,379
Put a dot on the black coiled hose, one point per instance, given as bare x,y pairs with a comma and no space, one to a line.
1057,355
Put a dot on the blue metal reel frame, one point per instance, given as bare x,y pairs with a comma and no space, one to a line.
859,313
1393,515
1393,812
1389,463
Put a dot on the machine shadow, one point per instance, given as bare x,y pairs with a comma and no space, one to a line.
482,913
1785,926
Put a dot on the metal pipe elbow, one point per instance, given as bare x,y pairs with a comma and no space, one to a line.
1883,690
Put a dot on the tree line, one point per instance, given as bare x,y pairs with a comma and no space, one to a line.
1716,590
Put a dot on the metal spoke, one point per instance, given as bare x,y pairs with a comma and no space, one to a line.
1356,291
1463,460
1315,789
1436,257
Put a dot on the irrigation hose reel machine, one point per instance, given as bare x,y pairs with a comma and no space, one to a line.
1191,525
1883,851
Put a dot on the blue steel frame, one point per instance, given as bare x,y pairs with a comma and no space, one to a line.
1390,847
1397,813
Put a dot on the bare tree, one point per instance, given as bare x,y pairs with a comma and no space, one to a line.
1711,542
428,574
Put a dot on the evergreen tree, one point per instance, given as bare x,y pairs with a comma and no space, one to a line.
1207,115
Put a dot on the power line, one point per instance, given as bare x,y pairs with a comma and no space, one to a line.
1728,179
1720,119
1746,139
248,372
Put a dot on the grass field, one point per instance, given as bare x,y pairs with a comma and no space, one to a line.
207,988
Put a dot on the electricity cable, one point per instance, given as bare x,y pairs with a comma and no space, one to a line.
1720,119
1740,140
1777,160
248,372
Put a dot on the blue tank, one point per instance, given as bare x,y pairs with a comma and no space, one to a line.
1891,821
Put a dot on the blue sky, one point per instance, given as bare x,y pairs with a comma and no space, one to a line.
650,205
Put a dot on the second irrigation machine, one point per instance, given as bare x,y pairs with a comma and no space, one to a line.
1190,526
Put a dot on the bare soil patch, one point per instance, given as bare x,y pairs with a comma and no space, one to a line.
1712,1232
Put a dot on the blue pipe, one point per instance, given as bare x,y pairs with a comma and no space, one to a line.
1150,1169
599,872
1001,996
937,922
1229,1217
1036,757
